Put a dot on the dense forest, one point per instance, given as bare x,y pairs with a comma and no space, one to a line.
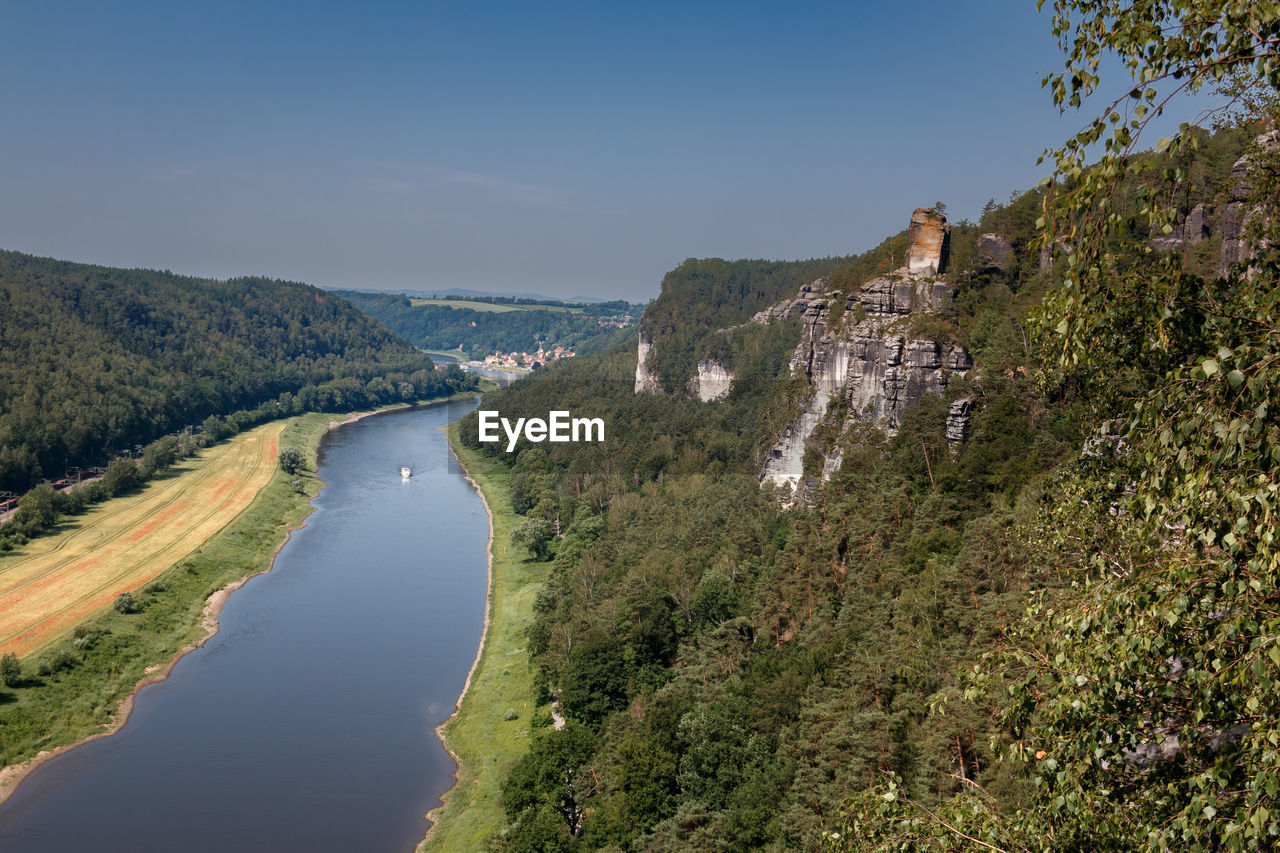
1058,635
99,360
703,296
582,327
732,669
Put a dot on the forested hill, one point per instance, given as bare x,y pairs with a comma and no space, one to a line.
705,294
731,669
1054,633
97,359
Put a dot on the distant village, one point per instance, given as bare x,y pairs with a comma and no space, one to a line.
523,360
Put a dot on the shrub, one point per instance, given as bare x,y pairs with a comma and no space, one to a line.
57,662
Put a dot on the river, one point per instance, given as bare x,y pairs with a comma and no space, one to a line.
308,722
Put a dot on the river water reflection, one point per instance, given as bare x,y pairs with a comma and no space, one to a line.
308,722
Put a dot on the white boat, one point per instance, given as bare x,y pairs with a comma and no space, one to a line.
405,472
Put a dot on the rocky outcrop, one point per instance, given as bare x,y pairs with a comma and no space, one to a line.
994,253
958,420
900,294
928,236
810,295
712,381
1060,247
1193,229
869,361
646,379
1241,210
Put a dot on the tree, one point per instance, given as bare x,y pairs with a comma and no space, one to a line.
552,776
1169,49
534,535
160,455
126,603
121,475
291,459
1148,701
41,507
593,682
10,669
1144,700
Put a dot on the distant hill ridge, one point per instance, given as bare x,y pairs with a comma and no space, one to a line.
472,294
99,358
448,325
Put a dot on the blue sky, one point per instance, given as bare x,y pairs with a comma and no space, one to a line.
565,148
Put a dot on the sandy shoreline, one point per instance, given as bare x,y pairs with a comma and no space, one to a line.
11,777
484,635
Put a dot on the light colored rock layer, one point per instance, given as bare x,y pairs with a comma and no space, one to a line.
872,360
646,380
712,382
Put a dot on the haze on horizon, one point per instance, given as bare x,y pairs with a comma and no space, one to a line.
574,149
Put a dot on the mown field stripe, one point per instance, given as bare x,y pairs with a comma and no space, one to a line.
108,556
174,487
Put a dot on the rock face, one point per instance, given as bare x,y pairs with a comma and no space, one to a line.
958,420
870,362
712,381
1239,213
1060,246
646,380
1193,229
994,253
810,294
927,242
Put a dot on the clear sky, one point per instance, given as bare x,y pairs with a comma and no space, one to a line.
563,148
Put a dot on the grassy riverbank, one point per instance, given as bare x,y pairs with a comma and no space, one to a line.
484,743
81,686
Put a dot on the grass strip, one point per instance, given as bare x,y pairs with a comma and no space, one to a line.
481,740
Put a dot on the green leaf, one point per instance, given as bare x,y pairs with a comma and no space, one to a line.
1209,366
1236,378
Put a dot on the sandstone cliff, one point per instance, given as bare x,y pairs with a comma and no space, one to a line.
1191,231
927,236
1242,208
712,381
867,356
864,358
